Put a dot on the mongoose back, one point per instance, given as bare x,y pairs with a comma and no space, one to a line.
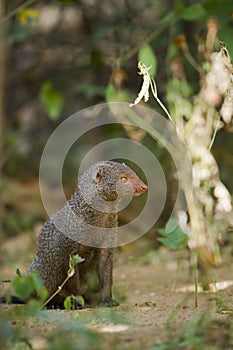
104,182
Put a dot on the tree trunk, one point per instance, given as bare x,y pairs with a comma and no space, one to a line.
2,89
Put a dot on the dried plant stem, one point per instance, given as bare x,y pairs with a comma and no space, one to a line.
154,91
55,293
196,285
74,260
214,134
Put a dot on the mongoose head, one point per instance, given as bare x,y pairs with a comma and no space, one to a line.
115,180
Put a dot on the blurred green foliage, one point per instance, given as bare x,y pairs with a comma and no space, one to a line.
63,56
201,332
173,236
147,56
24,286
52,100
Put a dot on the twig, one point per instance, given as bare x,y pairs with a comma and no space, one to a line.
15,11
214,134
196,285
149,38
154,92
192,62
74,260
57,291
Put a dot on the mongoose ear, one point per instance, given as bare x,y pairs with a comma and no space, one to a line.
96,175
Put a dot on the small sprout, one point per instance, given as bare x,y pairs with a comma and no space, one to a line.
25,285
18,273
74,260
175,238
71,300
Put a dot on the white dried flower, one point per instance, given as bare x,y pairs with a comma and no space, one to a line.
144,92
223,198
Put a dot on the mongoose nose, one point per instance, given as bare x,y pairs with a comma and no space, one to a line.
144,188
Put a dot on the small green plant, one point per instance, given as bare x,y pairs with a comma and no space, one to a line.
52,100
74,260
71,300
218,301
24,286
120,292
173,236
197,335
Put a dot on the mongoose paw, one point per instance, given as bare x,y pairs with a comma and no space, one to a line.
60,306
55,306
109,302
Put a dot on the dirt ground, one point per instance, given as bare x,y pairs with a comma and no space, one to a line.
156,300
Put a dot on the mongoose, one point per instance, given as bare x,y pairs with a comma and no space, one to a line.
103,184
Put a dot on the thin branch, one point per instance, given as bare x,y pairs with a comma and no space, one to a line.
154,92
56,292
192,62
15,11
149,38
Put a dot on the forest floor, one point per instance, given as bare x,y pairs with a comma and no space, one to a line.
157,305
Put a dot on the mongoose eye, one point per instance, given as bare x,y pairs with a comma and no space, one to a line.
124,180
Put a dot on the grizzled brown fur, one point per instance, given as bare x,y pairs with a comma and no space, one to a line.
104,182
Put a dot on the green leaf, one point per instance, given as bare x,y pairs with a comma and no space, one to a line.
174,237
69,301
212,4
147,56
22,287
110,93
90,90
115,95
75,259
194,12
25,285
168,17
38,285
80,300
18,272
52,100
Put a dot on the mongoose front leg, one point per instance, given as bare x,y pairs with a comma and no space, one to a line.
105,263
